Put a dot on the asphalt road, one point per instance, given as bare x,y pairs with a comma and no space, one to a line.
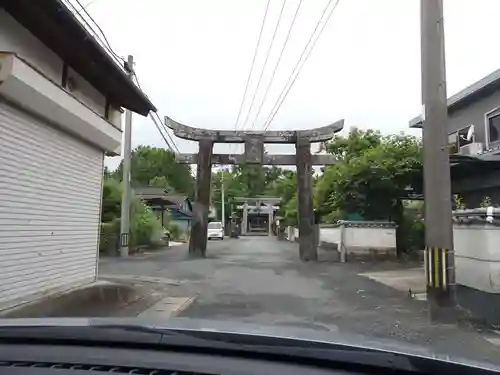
260,280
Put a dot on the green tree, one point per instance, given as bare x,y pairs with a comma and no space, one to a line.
149,163
371,176
253,181
369,180
111,200
145,228
160,182
354,144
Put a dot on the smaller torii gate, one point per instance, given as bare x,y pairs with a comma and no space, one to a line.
254,154
269,201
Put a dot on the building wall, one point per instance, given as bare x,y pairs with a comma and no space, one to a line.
474,115
477,257
50,198
15,38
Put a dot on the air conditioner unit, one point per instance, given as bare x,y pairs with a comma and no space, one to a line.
472,149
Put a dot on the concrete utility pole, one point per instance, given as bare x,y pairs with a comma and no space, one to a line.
439,263
127,148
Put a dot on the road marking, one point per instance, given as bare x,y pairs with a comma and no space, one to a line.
493,339
167,307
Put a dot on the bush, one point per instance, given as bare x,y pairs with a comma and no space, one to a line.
175,231
145,228
413,232
111,200
110,237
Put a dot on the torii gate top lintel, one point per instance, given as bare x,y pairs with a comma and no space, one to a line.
321,134
270,200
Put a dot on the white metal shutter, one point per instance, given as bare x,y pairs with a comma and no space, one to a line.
50,194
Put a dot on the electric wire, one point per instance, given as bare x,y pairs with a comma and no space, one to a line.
265,62
277,63
110,49
161,133
160,121
298,67
253,64
107,45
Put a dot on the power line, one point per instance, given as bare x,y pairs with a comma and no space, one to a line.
110,49
167,132
159,120
106,43
89,3
265,62
277,63
159,130
291,81
253,64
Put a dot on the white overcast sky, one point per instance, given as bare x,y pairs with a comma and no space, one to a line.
193,57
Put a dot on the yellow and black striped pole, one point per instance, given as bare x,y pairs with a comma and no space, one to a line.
436,268
439,274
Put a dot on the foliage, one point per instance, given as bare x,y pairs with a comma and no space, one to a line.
370,178
175,231
458,202
412,230
111,200
355,144
145,228
160,182
152,164
109,236
371,175
254,181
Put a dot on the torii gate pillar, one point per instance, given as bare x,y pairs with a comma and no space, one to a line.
307,242
199,226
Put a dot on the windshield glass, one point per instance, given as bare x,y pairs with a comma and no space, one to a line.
301,150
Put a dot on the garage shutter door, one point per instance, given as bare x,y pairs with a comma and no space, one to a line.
50,193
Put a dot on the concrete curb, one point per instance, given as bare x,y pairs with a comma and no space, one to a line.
184,306
167,307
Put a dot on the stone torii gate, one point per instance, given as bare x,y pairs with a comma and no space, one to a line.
254,154
269,201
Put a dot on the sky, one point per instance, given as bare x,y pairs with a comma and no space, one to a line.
193,59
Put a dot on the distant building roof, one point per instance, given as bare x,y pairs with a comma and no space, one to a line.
58,28
470,94
154,193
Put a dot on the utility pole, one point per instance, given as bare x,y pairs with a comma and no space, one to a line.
127,148
439,253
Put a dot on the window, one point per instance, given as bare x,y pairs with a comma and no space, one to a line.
459,139
493,123
215,225
463,135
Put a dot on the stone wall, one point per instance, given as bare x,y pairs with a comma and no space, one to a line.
476,237
356,240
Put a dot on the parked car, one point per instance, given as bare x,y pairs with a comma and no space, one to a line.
215,230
